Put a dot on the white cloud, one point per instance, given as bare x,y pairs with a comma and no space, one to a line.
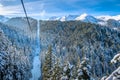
41,9
9,10
32,8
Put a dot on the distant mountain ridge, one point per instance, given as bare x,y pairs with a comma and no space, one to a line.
102,20
109,21
85,16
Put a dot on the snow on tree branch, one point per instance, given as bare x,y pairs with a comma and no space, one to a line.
116,58
115,75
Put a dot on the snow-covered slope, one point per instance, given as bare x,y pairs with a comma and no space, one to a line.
3,18
36,60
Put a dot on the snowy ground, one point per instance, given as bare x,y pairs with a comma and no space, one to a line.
36,72
36,69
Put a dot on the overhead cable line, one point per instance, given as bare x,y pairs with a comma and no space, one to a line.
25,13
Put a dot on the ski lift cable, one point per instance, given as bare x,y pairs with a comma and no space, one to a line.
26,14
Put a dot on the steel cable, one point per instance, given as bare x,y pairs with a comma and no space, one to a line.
25,13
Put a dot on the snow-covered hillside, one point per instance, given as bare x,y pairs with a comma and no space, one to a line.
21,24
3,18
23,38
72,39
14,61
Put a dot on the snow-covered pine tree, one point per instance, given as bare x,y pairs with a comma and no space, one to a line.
57,71
66,71
84,69
75,69
47,66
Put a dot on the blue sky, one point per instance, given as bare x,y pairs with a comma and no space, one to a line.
47,8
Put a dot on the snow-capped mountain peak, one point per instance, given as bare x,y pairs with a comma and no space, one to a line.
68,17
71,17
87,18
81,17
63,18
